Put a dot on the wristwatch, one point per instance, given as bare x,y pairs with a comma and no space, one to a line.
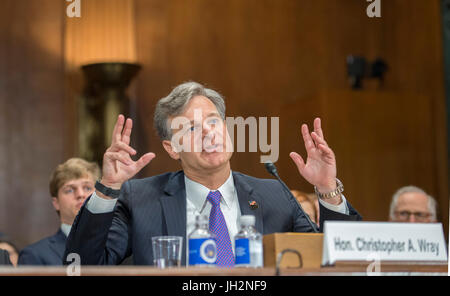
339,189
114,193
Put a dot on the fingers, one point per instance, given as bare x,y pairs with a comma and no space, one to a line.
126,160
120,146
144,160
318,127
318,140
117,156
117,131
316,137
298,160
127,131
309,144
321,144
326,150
121,133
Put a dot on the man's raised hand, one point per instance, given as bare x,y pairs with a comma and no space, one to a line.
118,166
320,166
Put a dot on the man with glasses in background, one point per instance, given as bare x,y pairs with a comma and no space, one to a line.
412,204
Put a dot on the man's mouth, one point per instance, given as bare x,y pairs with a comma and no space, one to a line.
211,148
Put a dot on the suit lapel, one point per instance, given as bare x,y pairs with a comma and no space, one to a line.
58,243
174,208
174,205
249,203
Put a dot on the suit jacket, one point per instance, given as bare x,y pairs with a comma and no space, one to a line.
48,251
157,206
4,257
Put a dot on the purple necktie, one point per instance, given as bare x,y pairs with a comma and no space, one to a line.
218,226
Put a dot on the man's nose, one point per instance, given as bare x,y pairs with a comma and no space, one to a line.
80,193
207,130
206,127
412,218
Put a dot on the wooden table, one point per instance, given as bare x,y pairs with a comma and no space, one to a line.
341,268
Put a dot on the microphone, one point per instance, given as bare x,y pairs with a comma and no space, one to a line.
272,169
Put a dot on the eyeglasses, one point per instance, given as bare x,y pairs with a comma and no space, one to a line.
419,216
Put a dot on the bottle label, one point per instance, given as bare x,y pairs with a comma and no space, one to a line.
202,251
242,246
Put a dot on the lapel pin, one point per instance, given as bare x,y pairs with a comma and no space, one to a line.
253,205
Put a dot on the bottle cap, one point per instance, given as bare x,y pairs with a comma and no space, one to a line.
248,220
201,219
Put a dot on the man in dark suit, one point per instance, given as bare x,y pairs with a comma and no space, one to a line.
122,215
70,184
48,251
4,258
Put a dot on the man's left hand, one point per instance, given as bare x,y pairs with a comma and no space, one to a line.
320,166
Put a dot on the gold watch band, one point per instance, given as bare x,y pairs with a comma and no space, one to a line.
339,189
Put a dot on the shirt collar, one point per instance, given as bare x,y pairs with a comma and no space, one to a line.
65,228
197,193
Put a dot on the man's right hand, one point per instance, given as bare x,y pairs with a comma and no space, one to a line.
118,166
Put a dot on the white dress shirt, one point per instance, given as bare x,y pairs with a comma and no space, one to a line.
197,204
65,228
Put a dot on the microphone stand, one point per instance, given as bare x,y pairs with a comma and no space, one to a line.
271,168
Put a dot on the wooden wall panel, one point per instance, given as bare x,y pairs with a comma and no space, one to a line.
32,122
413,47
258,54
262,55
376,152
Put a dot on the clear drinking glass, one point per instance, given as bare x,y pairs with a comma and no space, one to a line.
167,251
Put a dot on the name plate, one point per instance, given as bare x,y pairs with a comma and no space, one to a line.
383,241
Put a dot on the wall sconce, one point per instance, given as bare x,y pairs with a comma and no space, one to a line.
100,60
104,98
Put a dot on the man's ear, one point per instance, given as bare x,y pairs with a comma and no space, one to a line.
55,203
168,147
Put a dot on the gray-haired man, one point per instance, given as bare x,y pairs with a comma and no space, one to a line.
114,224
412,204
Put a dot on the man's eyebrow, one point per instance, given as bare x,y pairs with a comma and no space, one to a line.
209,115
213,114
83,183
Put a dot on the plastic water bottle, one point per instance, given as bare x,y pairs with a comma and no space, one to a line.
202,244
248,244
